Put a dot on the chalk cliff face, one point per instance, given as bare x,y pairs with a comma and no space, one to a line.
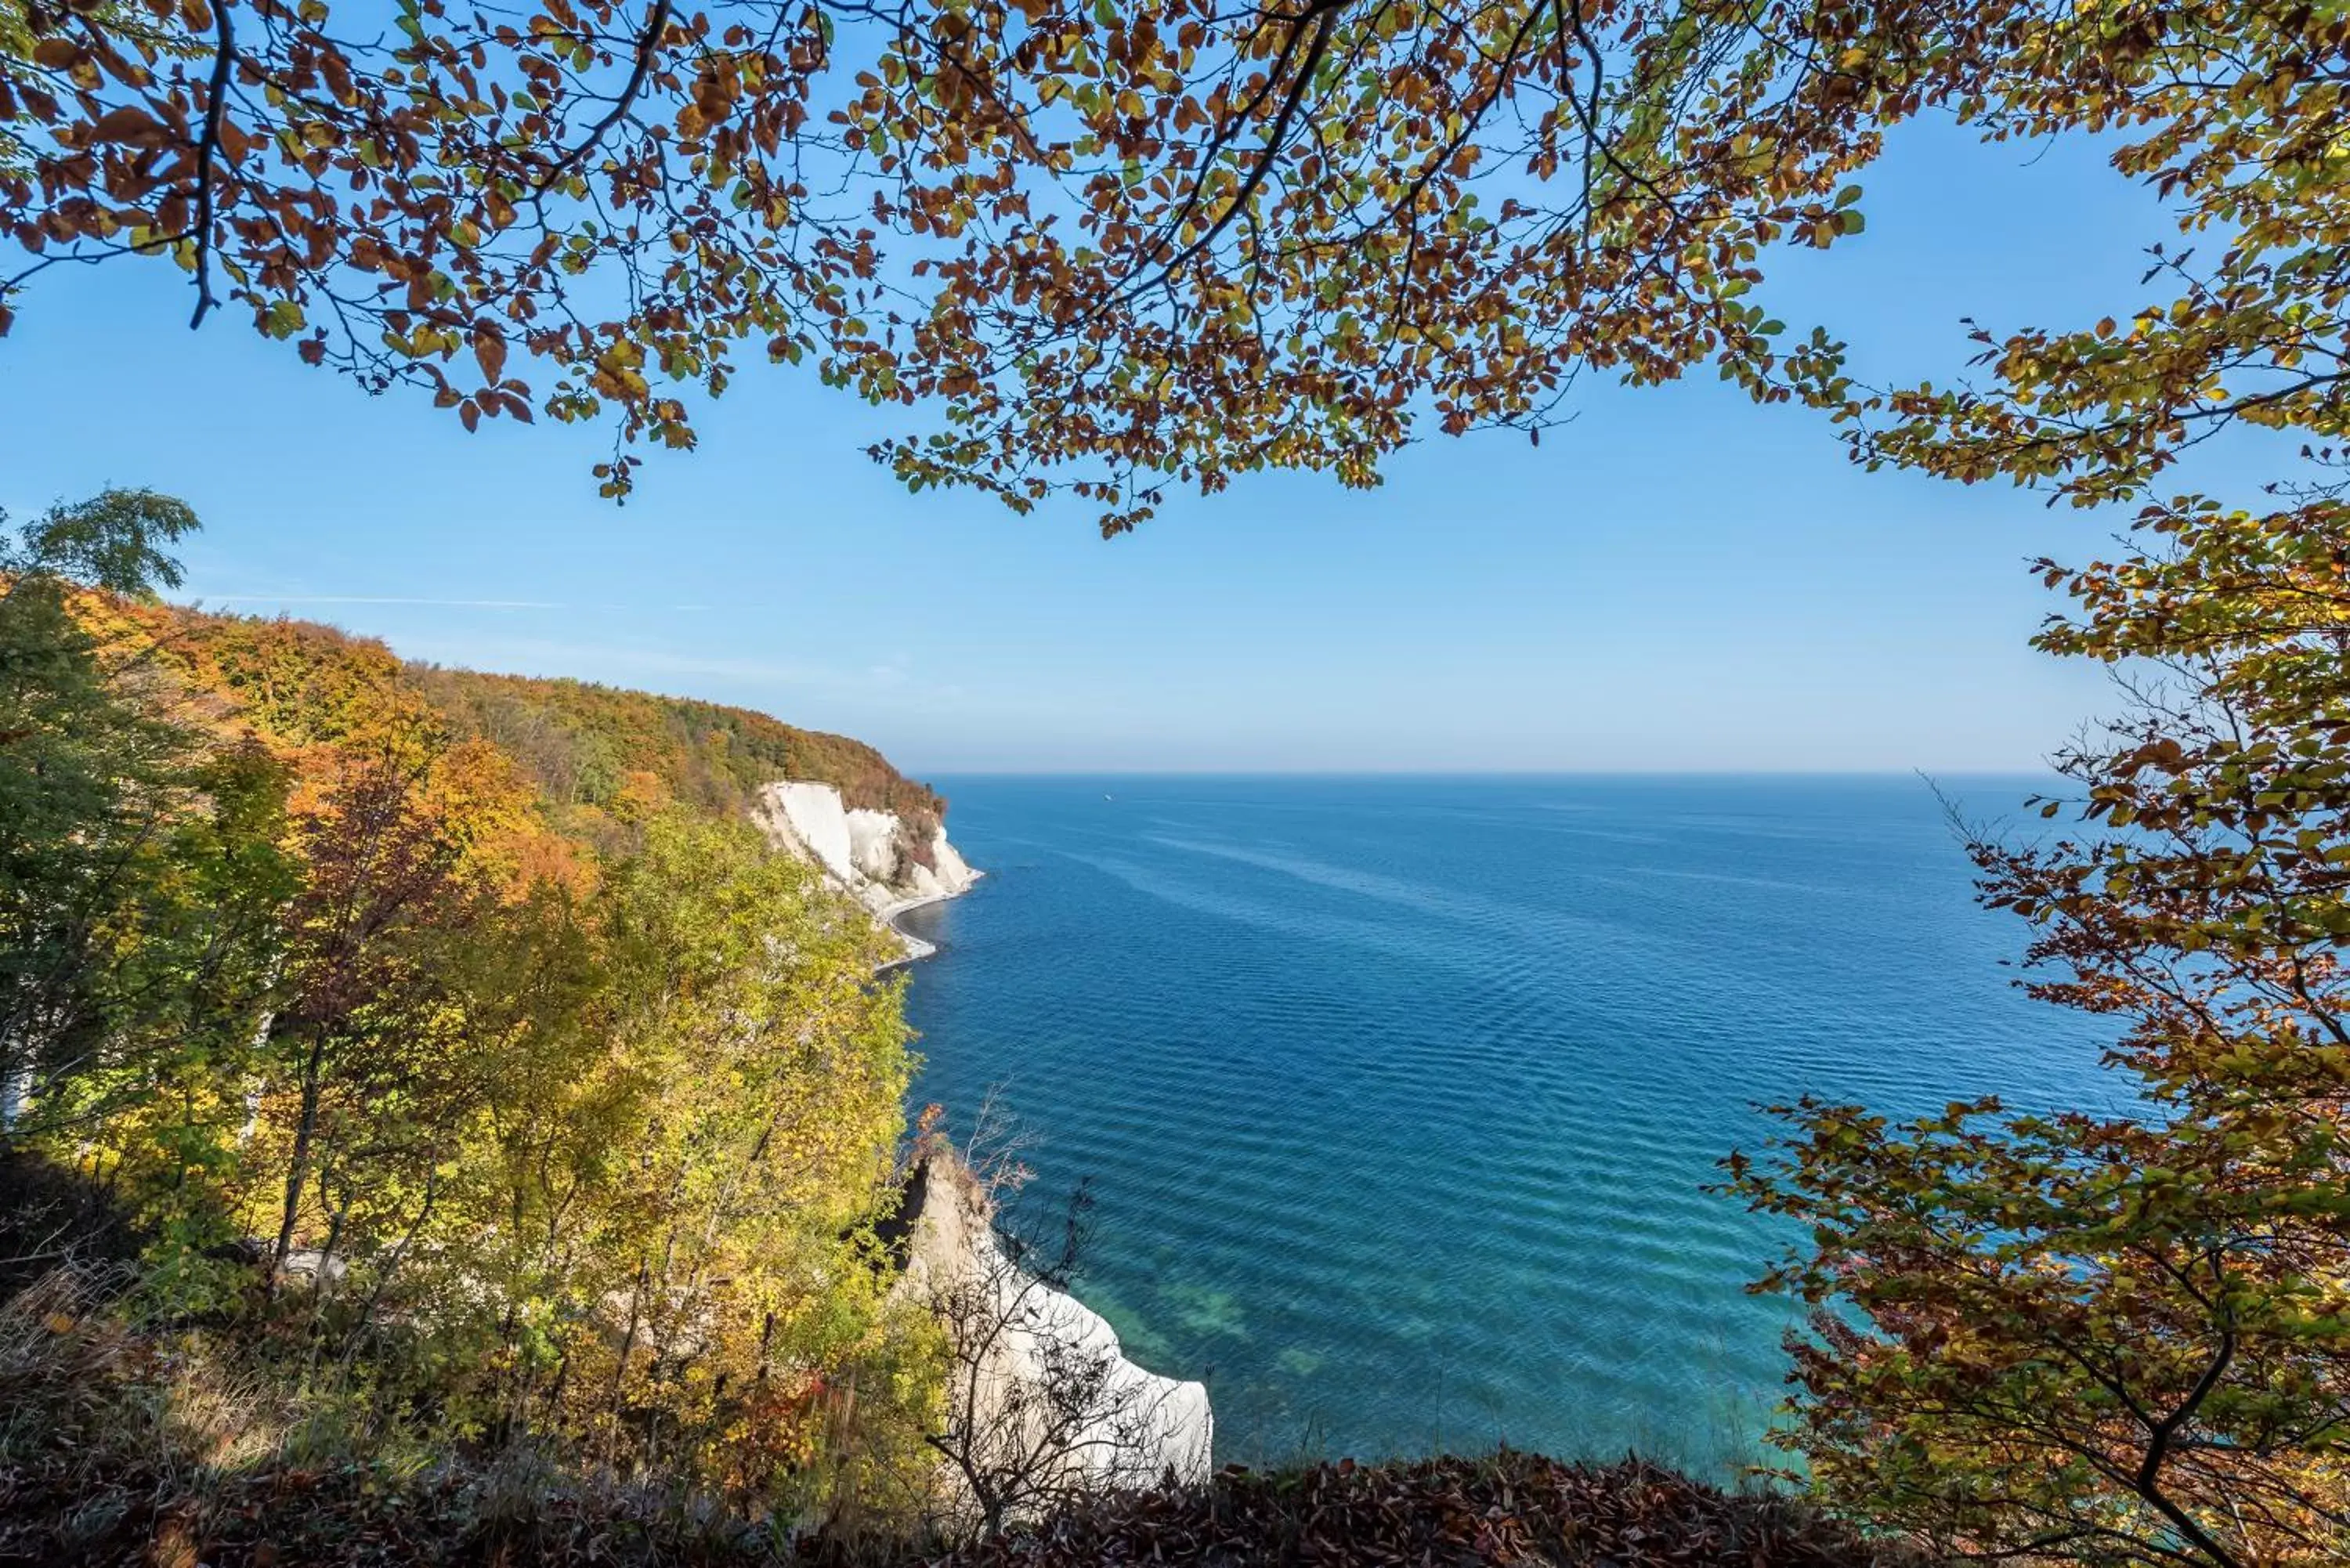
884,863
1036,1347
1141,1425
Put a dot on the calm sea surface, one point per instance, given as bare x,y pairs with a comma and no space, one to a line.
1397,1096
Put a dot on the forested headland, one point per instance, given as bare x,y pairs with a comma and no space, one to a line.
400,1057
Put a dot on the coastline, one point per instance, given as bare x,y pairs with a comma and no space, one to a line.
865,854
917,949
1145,1423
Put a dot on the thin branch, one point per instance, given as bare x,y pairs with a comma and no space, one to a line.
215,106
648,46
1267,157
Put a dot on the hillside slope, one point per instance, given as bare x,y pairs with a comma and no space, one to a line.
581,742
359,1058
593,755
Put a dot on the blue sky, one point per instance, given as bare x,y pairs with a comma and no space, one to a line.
1677,580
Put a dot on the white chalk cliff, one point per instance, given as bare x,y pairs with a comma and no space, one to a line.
1145,1424
872,856
1136,1426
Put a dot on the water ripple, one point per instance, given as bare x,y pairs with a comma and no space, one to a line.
1400,1097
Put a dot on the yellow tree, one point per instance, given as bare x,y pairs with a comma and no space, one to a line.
691,1102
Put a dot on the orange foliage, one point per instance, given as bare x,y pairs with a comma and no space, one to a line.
534,776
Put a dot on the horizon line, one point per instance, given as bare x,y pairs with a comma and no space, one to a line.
1532,772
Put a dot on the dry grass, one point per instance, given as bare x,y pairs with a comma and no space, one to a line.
1508,1507
122,1445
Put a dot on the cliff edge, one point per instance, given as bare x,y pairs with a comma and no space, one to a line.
1043,1404
885,862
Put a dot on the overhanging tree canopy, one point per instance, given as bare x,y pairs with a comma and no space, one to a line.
1092,245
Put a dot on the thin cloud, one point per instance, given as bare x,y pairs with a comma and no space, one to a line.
439,604
382,599
608,659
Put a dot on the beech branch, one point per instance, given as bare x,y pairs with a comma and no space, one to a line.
648,46
2148,1480
207,145
1325,15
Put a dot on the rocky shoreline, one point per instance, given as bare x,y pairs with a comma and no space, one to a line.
884,862
1045,1391
1148,1426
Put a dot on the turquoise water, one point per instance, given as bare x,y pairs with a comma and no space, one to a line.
1397,1096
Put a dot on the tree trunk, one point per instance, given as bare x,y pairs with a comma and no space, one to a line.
297,1165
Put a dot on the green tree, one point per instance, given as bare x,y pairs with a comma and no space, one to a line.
141,879
94,779
2125,1338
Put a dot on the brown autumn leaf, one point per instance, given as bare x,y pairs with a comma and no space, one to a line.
128,123
490,353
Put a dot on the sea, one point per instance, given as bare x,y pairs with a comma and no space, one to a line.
1396,1099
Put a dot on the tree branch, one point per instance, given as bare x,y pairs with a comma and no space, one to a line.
215,107
648,46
